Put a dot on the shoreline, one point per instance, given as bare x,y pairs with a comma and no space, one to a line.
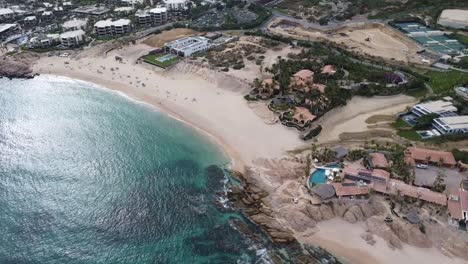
234,157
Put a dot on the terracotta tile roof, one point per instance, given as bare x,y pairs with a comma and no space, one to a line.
350,190
420,154
381,174
319,87
328,69
464,200
379,160
304,74
302,113
454,204
424,194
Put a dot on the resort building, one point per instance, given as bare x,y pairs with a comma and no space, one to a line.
302,117
75,24
415,155
269,88
328,70
30,21
350,189
91,10
176,5
376,160
72,38
108,28
441,108
123,9
396,187
47,15
132,2
44,41
6,13
302,79
366,176
187,46
462,92
451,125
454,18
7,29
154,16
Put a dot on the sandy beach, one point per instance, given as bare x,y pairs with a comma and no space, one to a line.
219,111
214,104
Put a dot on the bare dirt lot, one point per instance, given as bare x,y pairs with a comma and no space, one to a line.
370,39
158,40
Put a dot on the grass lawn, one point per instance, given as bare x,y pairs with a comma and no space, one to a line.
443,82
153,59
399,123
462,38
409,134
418,93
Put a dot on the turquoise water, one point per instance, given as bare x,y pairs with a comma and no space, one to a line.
89,177
318,176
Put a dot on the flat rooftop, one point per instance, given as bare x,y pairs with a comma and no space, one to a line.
438,106
455,122
91,10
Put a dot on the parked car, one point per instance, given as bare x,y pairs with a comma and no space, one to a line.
421,166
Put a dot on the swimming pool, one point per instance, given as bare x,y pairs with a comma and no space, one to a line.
319,177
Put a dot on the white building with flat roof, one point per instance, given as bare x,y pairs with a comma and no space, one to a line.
75,24
441,108
451,125
106,28
462,92
188,46
30,21
132,2
6,13
44,41
175,5
154,16
73,38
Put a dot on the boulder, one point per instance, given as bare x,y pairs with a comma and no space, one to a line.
356,210
350,217
327,212
314,212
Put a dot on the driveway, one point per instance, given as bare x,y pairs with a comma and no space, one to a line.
428,176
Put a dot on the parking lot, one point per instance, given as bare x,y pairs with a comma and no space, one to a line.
428,176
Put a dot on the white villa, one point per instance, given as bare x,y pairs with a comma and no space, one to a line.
6,13
451,125
72,38
188,46
75,24
442,108
108,27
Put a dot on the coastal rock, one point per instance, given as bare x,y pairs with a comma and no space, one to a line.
350,217
299,221
339,208
15,68
356,211
314,212
327,212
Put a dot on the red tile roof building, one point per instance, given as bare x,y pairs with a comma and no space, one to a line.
378,160
350,189
419,155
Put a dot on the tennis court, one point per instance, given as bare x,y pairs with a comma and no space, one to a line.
425,36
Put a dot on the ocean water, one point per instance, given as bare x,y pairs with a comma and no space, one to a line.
87,176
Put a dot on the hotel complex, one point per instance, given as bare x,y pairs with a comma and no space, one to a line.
107,28
155,16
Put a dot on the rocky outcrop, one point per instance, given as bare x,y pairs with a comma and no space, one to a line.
249,198
15,68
